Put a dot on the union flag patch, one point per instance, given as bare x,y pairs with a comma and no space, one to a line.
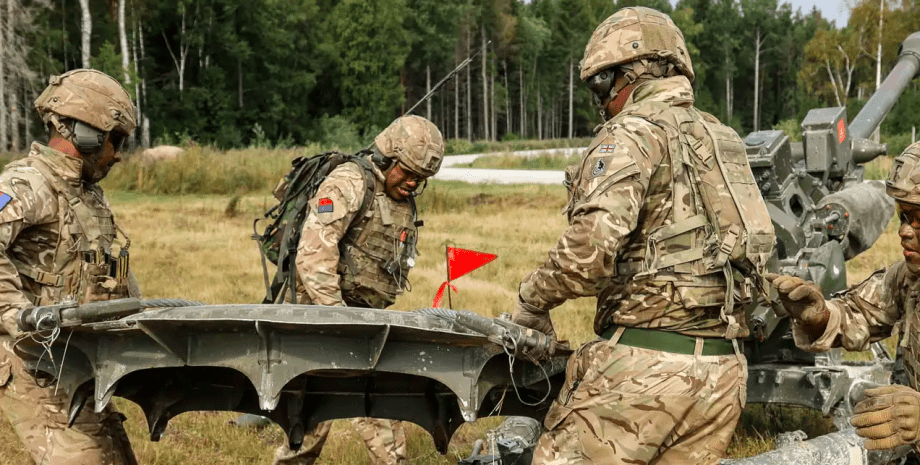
325,205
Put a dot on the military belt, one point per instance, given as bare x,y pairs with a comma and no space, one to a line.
667,341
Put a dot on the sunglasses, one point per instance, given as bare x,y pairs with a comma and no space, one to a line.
118,140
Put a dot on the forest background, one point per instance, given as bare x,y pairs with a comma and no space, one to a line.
280,73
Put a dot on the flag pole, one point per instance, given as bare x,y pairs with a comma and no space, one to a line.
450,304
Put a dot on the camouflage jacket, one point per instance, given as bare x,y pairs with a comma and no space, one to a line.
342,260
56,236
625,195
867,312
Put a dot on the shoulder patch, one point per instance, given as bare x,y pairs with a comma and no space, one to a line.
4,200
600,165
325,205
606,148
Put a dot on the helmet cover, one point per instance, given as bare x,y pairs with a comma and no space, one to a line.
90,96
632,34
903,183
415,142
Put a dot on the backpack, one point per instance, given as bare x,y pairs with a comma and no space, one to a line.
278,243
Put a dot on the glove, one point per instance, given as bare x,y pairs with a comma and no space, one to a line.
532,317
888,417
803,300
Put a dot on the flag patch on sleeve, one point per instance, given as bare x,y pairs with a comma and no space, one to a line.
607,148
4,200
325,205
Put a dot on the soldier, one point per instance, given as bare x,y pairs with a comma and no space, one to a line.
668,230
883,304
57,233
363,262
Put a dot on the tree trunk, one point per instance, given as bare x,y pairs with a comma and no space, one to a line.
3,53
571,97
485,87
508,124
239,78
427,90
26,119
757,44
878,61
539,115
123,39
493,116
469,92
456,106
137,84
145,121
523,106
15,114
86,30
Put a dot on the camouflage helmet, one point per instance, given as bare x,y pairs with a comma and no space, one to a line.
632,34
90,96
903,183
415,142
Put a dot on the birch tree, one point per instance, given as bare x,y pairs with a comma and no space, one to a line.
86,31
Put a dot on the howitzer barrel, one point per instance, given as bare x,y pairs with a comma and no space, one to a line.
885,97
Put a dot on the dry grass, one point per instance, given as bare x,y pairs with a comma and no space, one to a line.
198,248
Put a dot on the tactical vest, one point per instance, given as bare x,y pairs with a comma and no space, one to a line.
377,253
719,242
84,267
907,364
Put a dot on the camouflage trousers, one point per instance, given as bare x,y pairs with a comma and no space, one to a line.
385,441
39,417
628,405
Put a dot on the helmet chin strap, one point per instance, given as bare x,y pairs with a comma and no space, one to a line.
61,128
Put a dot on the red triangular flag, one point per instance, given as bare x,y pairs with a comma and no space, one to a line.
440,295
462,261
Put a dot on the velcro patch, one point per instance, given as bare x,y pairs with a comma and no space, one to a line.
325,205
606,148
600,166
4,200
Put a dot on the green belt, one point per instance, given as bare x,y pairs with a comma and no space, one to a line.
667,341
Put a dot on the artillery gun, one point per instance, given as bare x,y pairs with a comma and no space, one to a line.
824,213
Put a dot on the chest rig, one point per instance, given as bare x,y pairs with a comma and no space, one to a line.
719,236
377,253
83,267
907,364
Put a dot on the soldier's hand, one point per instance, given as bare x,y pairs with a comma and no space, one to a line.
888,417
803,300
532,317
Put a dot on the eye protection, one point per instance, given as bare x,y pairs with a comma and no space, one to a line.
909,217
118,140
601,83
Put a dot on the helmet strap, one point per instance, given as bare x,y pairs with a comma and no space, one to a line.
615,106
61,128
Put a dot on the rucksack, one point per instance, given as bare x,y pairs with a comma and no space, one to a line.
278,243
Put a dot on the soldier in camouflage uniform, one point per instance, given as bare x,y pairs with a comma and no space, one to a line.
884,304
668,230
363,262
57,235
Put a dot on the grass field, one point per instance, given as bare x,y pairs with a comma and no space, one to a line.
199,247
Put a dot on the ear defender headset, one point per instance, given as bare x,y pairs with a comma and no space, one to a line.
87,138
381,161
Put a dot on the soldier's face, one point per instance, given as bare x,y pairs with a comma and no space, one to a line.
909,231
96,166
400,182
